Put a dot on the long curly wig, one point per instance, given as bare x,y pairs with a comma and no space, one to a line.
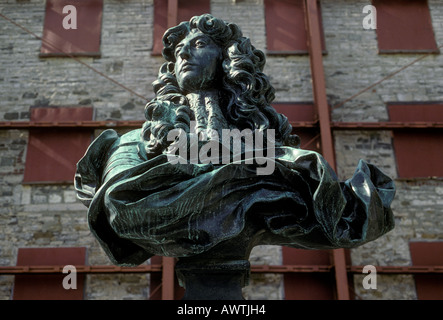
245,93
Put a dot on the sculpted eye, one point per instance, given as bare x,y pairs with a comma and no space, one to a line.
177,49
200,43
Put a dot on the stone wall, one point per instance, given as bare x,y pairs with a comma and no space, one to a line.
352,63
50,215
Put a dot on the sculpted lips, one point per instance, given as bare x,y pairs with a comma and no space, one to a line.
186,66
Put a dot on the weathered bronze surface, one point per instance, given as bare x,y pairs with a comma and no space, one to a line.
216,201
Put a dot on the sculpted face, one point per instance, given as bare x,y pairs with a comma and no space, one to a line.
198,59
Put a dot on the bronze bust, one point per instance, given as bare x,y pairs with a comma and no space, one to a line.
141,203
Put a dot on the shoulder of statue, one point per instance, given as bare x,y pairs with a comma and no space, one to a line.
89,168
132,136
97,151
131,144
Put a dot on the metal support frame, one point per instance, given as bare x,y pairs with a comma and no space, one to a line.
318,80
168,278
165,267
128,124
324,117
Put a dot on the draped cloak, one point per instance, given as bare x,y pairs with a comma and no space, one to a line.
140,207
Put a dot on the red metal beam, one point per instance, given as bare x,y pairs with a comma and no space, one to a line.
168,278
391,125
155,268
104,124
79,268
7,125
321,103
70,124
290,268
399,269
318,79
341,275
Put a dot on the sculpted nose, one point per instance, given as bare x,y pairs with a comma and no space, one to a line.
184,52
